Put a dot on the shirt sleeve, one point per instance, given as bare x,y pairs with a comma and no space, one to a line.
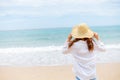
99,46
65,49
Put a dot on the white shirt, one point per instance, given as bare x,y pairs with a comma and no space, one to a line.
84,65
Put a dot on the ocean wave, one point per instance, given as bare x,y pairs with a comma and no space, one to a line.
113,46
30,49
49,55
45,49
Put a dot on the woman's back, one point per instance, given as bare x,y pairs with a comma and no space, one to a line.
84,60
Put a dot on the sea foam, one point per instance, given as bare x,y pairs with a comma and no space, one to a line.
45,49
49,55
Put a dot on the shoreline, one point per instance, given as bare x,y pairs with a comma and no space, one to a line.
105,71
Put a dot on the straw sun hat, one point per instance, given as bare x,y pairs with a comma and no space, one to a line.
82,31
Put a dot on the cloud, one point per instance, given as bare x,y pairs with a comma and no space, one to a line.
57,7
37,3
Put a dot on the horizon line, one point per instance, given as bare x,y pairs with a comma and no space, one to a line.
52,28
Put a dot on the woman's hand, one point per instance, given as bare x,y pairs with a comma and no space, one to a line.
96,35
69,38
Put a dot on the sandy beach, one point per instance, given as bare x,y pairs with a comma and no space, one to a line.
105,71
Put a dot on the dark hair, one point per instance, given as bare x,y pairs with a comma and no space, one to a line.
88,41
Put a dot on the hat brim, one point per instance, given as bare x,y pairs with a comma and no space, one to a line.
76,34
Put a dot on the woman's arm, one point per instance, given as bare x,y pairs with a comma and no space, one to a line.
69,38
65,48
98,43
96,36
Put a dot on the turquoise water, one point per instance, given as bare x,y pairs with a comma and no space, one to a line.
44,46
52,36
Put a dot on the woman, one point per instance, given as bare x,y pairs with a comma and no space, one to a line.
83,48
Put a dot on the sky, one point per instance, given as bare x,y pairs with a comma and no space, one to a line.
35,14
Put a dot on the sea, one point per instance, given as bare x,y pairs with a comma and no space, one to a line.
41,47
